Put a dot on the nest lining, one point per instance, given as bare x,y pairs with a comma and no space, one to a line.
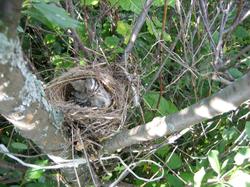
82,114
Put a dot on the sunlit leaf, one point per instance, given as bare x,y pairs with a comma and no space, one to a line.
198,176
213,158
56,15
32,174
89,2
242,155
124,29
239,178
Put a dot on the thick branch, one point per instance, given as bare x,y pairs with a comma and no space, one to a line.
22,99
225,100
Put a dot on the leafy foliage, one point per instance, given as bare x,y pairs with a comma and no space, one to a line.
214,153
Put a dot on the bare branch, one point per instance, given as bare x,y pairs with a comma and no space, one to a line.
244,12
77,40
139,23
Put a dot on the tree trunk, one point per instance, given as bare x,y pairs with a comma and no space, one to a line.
22,98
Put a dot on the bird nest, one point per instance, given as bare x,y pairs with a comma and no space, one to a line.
93,101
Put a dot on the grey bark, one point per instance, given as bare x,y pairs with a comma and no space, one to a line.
136,29
226,100
22,98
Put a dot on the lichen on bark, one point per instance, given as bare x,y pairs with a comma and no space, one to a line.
32,90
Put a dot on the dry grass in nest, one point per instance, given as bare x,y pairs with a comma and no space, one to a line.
90,125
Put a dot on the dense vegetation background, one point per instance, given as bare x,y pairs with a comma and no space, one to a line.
183,53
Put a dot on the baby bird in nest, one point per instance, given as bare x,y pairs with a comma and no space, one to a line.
90,93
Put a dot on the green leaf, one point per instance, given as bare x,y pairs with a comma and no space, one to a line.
213,158
56,15
136,5
198,176
150,26
33,13
89,2
63,61
124,4
235,73
241,32
167,37
188,177
49,39
224,164
19,146
162,152
129,5
229,134
247,61
32,174
216,36
111,41
35,184
242,155
159,3
124,29
174,162
174,181
156,22
165,106
247,128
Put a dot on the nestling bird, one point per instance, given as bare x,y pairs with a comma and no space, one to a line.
91,93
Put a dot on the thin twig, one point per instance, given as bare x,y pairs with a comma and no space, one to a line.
63,162
243,13
75,36
92,173
218,53
204,16
161,49
231,62
73,157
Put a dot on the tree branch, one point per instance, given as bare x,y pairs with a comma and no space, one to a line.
139,23
226,100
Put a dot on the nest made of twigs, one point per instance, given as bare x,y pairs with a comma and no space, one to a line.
91,124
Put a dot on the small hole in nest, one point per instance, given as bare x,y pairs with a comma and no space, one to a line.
93,101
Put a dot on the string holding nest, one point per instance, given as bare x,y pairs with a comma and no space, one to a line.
92,100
